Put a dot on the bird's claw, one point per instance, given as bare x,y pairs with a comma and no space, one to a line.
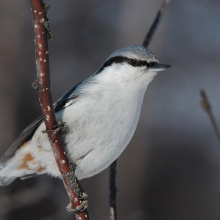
59,127
79,208
83,196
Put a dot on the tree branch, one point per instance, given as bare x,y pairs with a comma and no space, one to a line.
156,22
113,191
112,170
41,27
207,108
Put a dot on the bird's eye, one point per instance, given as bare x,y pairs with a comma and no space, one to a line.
133,62
152,64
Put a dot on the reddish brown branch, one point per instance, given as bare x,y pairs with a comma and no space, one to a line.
43,84
207,108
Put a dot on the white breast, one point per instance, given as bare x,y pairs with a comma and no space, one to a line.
101,124
102,127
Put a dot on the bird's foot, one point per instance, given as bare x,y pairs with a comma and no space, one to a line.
79,208
59,127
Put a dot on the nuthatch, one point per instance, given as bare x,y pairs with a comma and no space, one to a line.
101,114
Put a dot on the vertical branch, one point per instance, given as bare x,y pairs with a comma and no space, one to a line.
113,166
156,22
207,108
41,27
113,191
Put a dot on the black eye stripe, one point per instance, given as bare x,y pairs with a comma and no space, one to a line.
152,64
132,62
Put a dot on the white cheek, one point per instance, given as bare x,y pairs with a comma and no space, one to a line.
125,75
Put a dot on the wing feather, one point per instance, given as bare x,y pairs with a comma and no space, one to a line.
27,133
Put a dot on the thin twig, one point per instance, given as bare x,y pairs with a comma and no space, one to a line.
41,27
207,108
156,22
113,167
113,191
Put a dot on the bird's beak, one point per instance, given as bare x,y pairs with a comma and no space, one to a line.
159,67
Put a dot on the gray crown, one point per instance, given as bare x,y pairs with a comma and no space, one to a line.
134,52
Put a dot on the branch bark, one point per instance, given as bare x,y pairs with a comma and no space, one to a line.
41,27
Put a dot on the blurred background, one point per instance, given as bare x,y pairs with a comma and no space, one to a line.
171,168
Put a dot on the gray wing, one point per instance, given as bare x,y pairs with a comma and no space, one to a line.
24,136
72,94
29,131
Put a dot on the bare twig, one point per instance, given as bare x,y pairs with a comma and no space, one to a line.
113,167
207,107
156,22
42,31
113,191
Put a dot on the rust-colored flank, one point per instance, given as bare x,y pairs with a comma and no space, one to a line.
27,158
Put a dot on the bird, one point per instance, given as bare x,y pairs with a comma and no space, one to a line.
101,114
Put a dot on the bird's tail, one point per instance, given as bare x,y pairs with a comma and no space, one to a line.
22,164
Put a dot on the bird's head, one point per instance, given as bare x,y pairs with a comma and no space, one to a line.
130,64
